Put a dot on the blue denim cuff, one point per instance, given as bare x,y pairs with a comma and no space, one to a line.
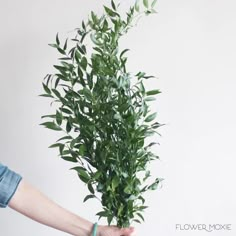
9,181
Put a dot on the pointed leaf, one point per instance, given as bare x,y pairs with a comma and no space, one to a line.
90,188
141,216
69,158
145,3
136,6
65,110
110,12
55,145
46,95
64,138
88,197
51,125
113,5
153,92
123,52
115,182
84,63
65,45
149,99
151,117
153,3
47,90
57,40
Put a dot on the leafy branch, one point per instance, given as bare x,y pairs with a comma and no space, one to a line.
105,118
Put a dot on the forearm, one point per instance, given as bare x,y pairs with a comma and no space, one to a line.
32,203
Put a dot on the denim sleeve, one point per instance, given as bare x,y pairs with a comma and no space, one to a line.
9,181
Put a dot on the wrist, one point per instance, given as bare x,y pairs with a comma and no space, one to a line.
82,227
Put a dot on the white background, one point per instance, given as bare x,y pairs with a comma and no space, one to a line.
190,46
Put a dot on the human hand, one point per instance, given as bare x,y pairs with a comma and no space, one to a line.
114,231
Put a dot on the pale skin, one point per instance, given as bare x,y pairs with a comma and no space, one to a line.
32,203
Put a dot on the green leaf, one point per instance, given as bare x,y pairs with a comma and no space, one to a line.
83,175
62,69
115,182
149,99
84,63
102,214
109,219
65,45
59,117
110,12
100,187
73,142
153,3
82,149
113,5
142,199
89,197
51,125
151,117
53,45
57,40
149,133
145,3
68,126
151,144
142,88
153,92
69,158
97,175
83,25
90,80
90,188
123,52
80,73
140,75
49,116
57,82
142,207
56,93
78,168
94,17
77,56
138,221
136,6
128,189
153,186
87,93
98,50
81,49
94,39
46,95
61,51
64,138
157,125
65,110
56,145
47,90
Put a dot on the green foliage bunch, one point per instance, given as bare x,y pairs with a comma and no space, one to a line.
106,119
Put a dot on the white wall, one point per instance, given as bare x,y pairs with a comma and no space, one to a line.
190,46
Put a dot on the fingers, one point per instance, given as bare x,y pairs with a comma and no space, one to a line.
127,231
